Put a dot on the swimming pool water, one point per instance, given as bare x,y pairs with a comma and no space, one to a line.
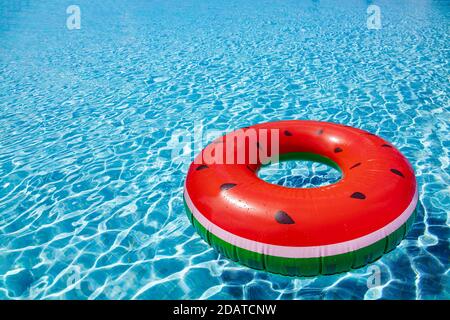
90,193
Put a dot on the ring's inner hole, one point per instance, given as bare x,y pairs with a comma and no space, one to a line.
301,170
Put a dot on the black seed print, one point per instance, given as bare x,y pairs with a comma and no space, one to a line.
397,172
320,132
355,165
201,167
258,145
287,133
386,146
358,195
336,150
227,186
283,218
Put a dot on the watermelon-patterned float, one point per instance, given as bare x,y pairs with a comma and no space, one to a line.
302,231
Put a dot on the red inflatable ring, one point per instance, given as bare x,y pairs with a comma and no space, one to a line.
303,231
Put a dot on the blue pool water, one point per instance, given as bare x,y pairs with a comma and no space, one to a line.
91,189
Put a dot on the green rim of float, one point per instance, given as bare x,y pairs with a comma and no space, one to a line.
303,266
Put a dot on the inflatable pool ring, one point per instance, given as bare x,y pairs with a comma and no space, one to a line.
302,231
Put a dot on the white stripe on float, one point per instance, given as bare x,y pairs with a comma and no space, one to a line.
302,252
